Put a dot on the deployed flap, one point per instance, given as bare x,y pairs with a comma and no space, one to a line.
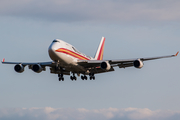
90,63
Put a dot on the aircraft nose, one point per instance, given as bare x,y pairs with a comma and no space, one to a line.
52,48
52,51
54,45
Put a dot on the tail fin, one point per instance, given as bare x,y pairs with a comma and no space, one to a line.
100,50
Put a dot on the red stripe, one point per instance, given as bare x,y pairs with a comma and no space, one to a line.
66,51
101,51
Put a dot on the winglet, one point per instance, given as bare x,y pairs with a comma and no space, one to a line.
3,60
176,53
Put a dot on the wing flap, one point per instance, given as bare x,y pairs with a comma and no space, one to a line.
90,63
99,70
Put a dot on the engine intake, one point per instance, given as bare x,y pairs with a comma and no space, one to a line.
138,63
37,68
19,68
105,65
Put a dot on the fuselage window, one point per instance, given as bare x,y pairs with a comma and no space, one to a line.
76,50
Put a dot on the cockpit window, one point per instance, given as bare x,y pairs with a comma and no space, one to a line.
55,41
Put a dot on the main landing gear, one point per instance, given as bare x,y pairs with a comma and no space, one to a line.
73,77
84,77
61,77
91,76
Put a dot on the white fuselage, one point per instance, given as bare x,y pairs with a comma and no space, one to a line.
66,55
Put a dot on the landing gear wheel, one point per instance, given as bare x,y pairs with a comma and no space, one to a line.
61,77
91,76
82,77
73,78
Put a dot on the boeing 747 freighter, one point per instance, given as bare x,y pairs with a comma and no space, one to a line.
67,60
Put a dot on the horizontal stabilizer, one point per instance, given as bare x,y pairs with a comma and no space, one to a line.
3,60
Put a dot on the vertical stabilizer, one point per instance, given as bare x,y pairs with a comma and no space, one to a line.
100,50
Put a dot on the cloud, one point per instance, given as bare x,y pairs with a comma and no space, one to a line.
49,113
93,10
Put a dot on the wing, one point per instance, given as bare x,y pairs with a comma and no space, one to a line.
95,65
24,64
39,67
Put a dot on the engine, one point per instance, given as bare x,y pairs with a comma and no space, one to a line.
37,68
105,65
138,63
19,68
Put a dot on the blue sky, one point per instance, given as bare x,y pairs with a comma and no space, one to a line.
132,29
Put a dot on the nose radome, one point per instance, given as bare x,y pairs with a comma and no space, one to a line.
52,51
53,47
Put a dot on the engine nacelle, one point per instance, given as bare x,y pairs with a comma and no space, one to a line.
105,65
138,63
37,68
19,68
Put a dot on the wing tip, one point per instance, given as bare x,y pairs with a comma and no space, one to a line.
176,53
3,60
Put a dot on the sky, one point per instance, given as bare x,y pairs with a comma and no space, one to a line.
133,29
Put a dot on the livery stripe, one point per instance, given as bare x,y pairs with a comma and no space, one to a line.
102,53
100,56
71,53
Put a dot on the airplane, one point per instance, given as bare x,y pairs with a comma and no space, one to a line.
67,60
